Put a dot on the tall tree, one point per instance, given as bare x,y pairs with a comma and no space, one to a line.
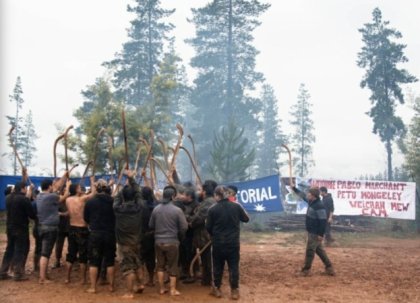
272,135
138,62
101,109
17,120
231,155
170,92
225,61
380,56
412,155
28,141
303,138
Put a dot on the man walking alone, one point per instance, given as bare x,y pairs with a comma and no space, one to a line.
316,220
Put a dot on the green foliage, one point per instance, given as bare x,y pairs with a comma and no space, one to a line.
272,136
169,92
303,138
380,56
24,134
138,62
412,156
102,110
225,62
231,154
28,140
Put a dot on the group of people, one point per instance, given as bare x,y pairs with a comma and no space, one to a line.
162,235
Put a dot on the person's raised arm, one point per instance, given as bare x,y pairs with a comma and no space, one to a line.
30,191
58,185
66,193
298,192
92,190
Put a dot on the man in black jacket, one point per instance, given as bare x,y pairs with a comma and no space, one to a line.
128,208
328,202
19,211
223,224
99,215
316,220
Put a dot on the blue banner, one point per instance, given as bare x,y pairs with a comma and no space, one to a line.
260,195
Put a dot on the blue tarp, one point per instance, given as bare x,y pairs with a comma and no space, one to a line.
6,181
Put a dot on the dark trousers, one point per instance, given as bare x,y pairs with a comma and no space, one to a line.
59,244
38,246
229,255
314,246
206,264
186,254
328,236
17,250
147,252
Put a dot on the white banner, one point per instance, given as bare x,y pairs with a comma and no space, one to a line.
370,198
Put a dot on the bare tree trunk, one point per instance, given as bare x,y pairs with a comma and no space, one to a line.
230,61
388,146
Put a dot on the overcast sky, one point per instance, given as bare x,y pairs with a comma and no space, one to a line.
57,47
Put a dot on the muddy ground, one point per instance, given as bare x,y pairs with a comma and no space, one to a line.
370,268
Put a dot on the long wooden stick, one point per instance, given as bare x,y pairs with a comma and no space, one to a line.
117,187
290,163
164,151
136,164
125,139
82,179
193,165
176,150
194,157
95,149
110,149
12,143
55,153
159,165
197,256
66,159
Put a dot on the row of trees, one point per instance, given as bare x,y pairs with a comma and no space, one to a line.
235,138
230,110
23,135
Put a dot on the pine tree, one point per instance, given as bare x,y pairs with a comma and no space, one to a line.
380,56
231,155
136,65
28,141
412,155
101,109
303,138
225,61
272,136
169,92
17,120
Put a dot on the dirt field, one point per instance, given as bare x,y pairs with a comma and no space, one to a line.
369,269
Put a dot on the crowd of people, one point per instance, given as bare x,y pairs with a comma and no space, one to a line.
163,234
150,235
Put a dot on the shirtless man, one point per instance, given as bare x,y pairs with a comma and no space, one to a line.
78,231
